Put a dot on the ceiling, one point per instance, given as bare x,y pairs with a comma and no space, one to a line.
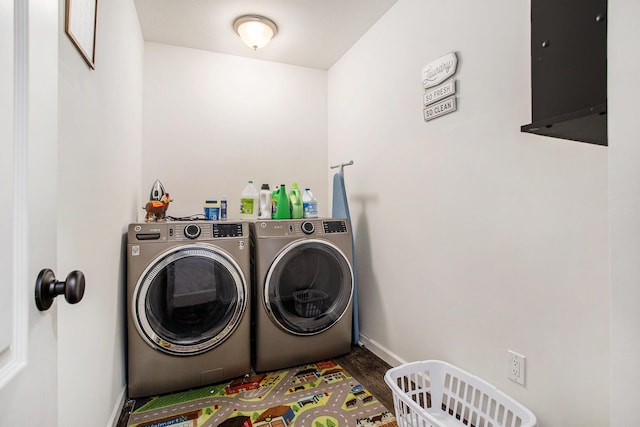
311,33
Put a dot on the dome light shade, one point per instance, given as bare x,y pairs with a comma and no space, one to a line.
254,30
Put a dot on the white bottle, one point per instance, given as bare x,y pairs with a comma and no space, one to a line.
249,202
309,204
265,202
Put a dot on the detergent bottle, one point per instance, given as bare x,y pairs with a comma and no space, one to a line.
265,202
249,202
295,201
282,204
309,204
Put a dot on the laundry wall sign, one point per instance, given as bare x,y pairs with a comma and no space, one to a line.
439,86
434,94
441,108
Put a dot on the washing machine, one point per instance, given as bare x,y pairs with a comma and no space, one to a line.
188,303
303,291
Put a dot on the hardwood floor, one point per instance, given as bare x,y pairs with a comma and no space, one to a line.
369,370
365,366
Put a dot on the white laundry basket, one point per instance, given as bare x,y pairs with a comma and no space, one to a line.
434,393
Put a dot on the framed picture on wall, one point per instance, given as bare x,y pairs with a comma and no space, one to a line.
80,26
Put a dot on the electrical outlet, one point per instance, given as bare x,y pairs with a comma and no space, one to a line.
516,367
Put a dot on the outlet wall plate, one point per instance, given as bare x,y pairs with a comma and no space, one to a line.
516,367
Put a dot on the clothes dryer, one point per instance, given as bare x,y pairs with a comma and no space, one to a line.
188,295
303,291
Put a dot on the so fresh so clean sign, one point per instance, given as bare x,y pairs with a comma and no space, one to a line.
439,86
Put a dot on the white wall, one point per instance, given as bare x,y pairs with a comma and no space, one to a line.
472,237
214,121
100,134
624,186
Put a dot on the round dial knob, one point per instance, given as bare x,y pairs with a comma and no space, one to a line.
308,227
192,231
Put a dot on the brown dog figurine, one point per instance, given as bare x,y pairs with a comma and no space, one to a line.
156,209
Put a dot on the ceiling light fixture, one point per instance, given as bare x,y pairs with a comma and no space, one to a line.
255,30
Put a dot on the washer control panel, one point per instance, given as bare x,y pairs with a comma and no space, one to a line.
176,231
296,228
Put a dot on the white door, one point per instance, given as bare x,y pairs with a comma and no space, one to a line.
28,145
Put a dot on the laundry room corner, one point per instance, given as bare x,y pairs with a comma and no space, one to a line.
214,121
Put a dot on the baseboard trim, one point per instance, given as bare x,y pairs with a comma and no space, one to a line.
117,409
381,351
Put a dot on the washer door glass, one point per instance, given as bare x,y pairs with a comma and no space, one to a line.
190,300
308,287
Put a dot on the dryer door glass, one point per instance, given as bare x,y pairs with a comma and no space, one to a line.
190,300
308,287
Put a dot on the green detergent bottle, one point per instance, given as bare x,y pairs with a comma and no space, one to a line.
282,204
295,200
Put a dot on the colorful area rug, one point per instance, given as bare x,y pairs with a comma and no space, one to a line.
316,395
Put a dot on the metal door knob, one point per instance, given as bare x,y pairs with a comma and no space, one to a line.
47,288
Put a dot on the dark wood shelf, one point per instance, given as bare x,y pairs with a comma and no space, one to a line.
569,70
587,125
